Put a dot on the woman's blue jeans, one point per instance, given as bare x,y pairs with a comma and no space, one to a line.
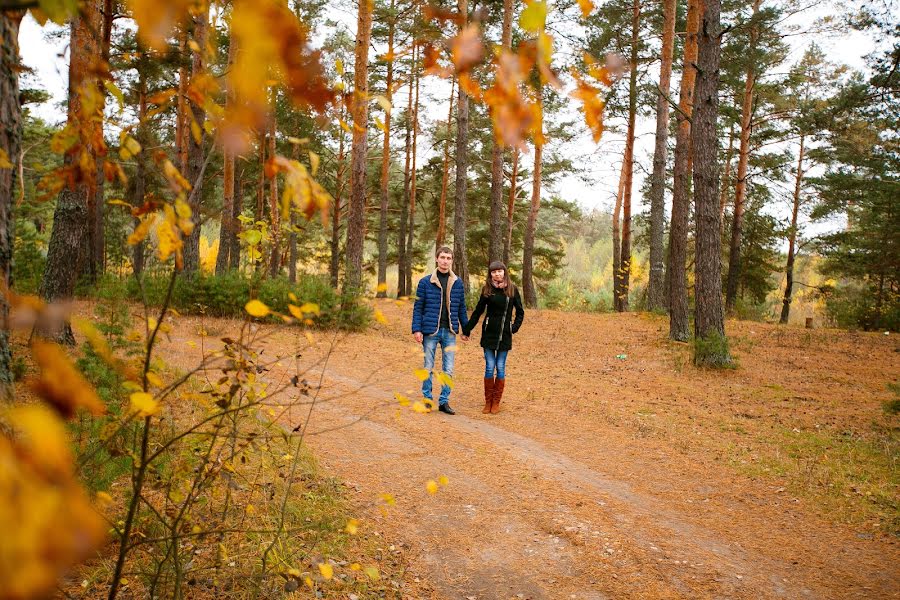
495,360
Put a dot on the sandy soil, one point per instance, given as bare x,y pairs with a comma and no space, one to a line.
602,477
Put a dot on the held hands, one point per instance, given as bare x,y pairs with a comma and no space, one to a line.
419,337
464,337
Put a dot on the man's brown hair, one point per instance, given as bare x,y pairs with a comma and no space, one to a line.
443,250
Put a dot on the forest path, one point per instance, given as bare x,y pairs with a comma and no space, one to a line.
602,477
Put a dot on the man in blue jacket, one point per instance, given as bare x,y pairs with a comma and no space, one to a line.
438,315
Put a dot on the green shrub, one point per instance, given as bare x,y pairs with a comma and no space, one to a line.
854,307
226,295
712,351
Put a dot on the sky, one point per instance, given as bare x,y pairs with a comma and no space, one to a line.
594,188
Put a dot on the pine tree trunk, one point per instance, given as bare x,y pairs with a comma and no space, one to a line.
740,192
196,142
726,181
68,248
226,230
356,221
10,144
617,234
139,181
402,258
528,287
676,273
495,244
274,209
234,253
460,260
335,266
510,206
292,223
625,269
412,180
385,164
792,239
442,205
656,291
709,316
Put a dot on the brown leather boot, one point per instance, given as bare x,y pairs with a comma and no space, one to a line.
499,384
488,394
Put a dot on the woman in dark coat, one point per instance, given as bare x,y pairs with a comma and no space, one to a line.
498,299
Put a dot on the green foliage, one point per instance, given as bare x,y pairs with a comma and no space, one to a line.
712,351
852,305
225,296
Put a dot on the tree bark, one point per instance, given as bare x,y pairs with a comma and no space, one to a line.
528,287
625,268
656,292
617,232
740,192
442,205
460,260
139,181
726,181
67,249
356,222
709,316
679,322
196,142
510,206
385,163
792,239
227,229
495,244
402,258
274,209
10,144
412,180
234,253
335,266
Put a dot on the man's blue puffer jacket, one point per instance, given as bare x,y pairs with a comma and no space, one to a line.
430,302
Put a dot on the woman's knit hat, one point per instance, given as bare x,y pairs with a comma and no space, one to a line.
496,266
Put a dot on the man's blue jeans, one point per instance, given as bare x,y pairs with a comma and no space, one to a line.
447,341
495,360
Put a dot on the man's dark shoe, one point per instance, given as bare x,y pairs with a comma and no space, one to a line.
445,408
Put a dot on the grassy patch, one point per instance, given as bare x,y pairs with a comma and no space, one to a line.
712,351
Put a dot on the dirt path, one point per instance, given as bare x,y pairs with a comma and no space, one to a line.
594,481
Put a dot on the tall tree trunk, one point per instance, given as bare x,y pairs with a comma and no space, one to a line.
67,249
726,181
528,287
402,257
510,206
625,269
740,192
385,162
617,233
676,274
139,181
274,209
292,222
226,230
356,222
234,253
10,145
709,316
495,245
335,266
96,255
442,205
460,260
182,120
196,147
792,239
656,292
412,180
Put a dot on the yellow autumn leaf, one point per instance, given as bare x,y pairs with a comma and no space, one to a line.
326,570
380,124
587,7
431,487
142,230
383,103
420,408
443,480
42,436
352,526
403,400
355,567
250,509
422,374
310,308
255,308
388,499
382,287
103,498
379,316
372,573
154,379
445,379
313,162
534,16
143,404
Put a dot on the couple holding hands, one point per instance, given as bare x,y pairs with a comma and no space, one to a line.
439,314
